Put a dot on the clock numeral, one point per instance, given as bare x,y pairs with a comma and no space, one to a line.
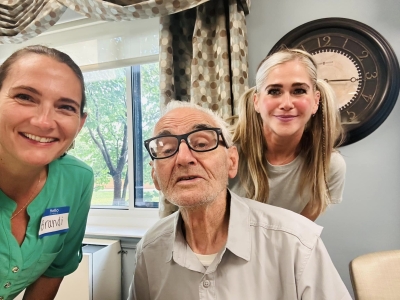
345,42
370,76
326,39
302,47
365,54
368,98
352,115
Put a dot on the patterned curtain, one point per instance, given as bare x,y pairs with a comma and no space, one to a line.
203,43
21,20
203,55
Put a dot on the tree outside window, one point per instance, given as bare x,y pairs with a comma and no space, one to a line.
104,141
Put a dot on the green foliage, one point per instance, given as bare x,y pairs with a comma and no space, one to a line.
151,196
102,140
102,197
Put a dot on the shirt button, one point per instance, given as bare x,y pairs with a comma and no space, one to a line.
14,270
206,283
7,285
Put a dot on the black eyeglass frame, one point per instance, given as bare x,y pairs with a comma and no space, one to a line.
184,137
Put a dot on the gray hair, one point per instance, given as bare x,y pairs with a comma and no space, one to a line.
220,123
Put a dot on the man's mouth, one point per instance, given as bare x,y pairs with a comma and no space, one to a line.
186,178
39,139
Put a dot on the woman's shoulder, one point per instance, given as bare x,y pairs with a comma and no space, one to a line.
337,164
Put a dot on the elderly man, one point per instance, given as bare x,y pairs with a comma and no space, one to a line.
219,245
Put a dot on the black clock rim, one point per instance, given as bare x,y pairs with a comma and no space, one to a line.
392,86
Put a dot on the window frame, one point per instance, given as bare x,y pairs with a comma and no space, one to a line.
123,219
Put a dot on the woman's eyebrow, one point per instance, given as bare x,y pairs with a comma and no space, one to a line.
300,84
276,85
35,91
70,101
26,87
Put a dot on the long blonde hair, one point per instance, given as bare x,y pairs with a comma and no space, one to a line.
322,133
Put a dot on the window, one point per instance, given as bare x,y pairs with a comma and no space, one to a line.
146,112
104,141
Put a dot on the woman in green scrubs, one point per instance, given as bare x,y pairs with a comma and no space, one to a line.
44,194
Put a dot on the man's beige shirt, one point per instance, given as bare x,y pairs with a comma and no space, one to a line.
271,253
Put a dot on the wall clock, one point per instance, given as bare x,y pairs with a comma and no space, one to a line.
358,63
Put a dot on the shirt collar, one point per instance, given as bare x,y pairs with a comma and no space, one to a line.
181,252
179,241
239,240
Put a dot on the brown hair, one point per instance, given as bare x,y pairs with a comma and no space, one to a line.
50,52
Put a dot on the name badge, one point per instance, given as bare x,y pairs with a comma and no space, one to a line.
54,221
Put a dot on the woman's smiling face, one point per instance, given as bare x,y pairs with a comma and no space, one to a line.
287,100
40,101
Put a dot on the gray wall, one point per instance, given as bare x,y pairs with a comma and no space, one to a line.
368,219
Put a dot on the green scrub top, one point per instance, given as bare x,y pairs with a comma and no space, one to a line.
69,186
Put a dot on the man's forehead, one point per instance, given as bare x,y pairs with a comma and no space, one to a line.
183,120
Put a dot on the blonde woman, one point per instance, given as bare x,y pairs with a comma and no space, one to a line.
288,127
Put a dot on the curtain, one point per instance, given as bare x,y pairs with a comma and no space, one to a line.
203,43
21,20
203,55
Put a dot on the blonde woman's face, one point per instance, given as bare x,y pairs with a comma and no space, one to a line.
286,101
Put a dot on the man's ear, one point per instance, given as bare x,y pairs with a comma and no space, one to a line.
154,176
233,161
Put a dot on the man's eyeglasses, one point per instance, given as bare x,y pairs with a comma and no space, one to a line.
200,140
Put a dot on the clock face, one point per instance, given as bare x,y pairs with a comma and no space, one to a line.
342,72
350,68
357,63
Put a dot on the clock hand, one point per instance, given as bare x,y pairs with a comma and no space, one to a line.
352,79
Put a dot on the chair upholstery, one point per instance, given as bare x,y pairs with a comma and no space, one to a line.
376,276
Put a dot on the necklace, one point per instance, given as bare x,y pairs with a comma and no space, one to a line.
31,197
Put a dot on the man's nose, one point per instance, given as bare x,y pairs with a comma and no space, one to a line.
185,154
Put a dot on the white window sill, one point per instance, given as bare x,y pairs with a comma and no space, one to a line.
120,223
